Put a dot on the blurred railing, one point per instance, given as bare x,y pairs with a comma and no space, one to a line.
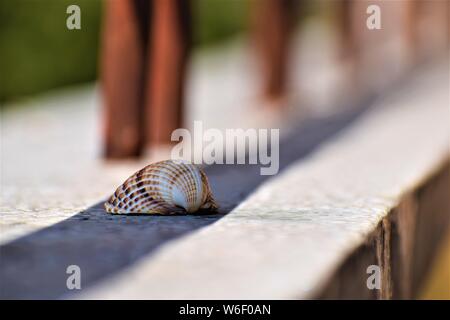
146,46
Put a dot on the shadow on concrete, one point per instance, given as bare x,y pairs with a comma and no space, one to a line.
34,266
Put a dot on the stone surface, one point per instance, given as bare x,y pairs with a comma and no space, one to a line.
290,235
51,145
53,179
55,225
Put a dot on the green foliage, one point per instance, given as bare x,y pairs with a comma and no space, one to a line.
38,52
216,20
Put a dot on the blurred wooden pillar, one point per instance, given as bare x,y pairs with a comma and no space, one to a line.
377,56
144,57
433,19
123,55
346,31
347,39
170,41
411,8
274,20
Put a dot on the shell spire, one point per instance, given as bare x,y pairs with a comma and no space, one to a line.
165,187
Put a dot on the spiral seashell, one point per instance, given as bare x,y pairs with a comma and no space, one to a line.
165,187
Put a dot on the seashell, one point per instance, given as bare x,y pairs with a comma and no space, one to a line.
165,187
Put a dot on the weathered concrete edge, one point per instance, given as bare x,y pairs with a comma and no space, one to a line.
400,245
410,158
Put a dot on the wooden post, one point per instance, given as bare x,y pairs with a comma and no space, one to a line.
273,24
411,29
434,28
122,78
348,45
346,32
170,39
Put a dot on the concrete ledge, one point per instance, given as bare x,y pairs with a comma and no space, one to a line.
48,220
375,194
403,245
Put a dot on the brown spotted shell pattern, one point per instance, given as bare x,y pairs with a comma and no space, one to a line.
166,187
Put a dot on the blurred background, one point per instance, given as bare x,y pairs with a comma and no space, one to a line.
39,54
136,70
